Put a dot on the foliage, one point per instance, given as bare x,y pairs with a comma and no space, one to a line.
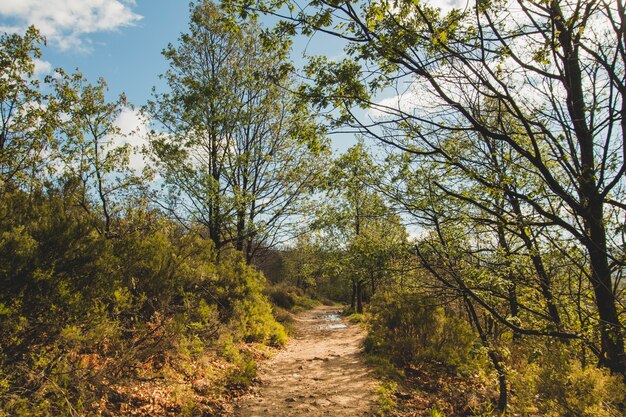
237,153
505,153
360,238
90,157
154,295
555,385
290,297
506,126
357,318
386,397
101,291
28,118
409,328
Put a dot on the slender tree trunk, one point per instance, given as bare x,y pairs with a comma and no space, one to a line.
495,360
249,252
359,297
101,193
545,283
512,288
241,231
591,203
215,200
611,335
353,297
250,248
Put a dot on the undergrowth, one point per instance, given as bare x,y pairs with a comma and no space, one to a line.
146,323
431,365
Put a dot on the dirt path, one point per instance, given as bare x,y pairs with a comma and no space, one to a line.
321,372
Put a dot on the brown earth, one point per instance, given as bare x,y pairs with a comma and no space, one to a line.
321,372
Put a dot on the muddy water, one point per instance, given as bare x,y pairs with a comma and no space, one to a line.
320,373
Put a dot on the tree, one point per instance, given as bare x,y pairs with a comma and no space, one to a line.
545,80
236,151
27,118
90,157
94,285
369,235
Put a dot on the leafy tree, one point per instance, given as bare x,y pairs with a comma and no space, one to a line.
303,262
91,159
542,79
236,151
27,118
367,233
100,290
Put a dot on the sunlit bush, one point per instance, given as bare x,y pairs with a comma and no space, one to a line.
410,328
81,312
553,384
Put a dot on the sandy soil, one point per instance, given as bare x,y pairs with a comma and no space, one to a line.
321,372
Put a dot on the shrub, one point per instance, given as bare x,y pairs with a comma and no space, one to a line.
554,385
386,397
289,297
82,314
282,297
357,318
409,328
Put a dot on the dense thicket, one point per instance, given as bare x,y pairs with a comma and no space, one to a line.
101,291
83,316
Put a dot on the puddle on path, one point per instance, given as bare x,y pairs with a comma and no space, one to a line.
332,318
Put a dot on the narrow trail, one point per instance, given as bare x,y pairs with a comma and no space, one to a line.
321,372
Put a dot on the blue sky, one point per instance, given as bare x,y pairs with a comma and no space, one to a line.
122,40
126,51
119,40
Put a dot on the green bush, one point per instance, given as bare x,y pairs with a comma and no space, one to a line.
289,297
281,296
409,329
81,313
555,385
357,318
241,376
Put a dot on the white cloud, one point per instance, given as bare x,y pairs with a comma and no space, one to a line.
447,5
42,68
134,132
416,233
66,23
405,102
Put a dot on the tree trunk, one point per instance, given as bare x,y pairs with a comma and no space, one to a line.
591,204
545,283
512,288
612,338
353,298
241,231
495,360
359,297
